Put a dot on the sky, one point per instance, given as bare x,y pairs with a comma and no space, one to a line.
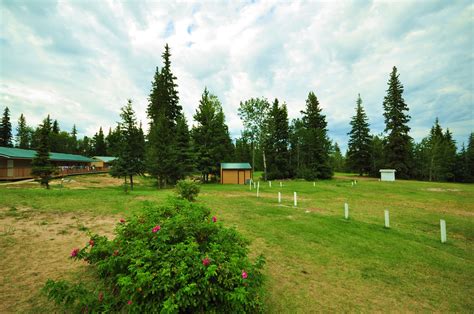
80,61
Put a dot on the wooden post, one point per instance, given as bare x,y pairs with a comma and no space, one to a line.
295,200
442,225
387,219
346,211
279,197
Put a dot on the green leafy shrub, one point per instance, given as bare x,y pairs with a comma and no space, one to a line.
171,258
188,189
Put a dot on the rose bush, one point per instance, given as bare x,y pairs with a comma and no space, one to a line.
171,258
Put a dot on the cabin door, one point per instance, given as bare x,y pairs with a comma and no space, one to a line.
241,177
9,168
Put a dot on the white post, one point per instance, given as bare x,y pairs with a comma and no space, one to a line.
279,197
352,183
270,183
387,219
280,184
346,210
442,224
295,201
258,187
250,184
314,183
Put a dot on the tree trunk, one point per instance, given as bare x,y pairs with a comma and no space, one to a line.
131,183
264,165
253,157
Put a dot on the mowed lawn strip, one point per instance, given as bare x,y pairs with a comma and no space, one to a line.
317,260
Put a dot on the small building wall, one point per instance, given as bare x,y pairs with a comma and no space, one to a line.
387,174
235,176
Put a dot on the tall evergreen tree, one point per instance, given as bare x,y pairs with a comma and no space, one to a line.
113,141
296,140
23,133
100,147
399,143
163,111
130,157
41,164
73,141
6,129
337,159
211,136
277,142
185,156
358,155
315,146
243,149
377,156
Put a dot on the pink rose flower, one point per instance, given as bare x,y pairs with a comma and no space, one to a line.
74,252
244,275
129,302
214,219
156,229
206,261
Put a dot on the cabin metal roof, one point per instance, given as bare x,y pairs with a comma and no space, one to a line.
104,158
18,153
235,165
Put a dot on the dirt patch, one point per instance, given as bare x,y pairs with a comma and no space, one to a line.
89,181
35,246
442,190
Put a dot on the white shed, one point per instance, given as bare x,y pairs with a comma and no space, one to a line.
387,174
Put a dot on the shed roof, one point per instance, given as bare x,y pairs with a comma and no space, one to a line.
19,153
105,158
235,165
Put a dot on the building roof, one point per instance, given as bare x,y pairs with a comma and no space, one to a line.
235,165
387,170
18,153
104,158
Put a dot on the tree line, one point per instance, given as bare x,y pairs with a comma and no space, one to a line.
300,148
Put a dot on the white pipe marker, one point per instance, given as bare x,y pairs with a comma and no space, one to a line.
346,210
279,197
387,219
314,183
442,224
258,187
280,184
295,201
270,183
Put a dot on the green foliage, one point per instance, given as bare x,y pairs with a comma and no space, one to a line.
315,144
188,189
277,142
172,258
6,129
211,136
338,162
358,154
23,133
100,146
398,148
130,155
41,166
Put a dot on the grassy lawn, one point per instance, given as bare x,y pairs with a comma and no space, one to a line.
316,260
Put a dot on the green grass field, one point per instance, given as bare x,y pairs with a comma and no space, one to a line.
316,260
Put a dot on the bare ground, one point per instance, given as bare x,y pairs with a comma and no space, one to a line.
35,246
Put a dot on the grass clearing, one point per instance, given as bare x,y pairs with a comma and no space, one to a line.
316,260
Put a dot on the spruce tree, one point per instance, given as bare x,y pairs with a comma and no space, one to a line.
185,156
23,133
6,129
315,148
163,111
377,156
130,157
277,142
296,132
41,165
73,140
398,149
337,159
100,147
211,136
358,154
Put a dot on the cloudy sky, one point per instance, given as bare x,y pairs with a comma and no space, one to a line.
81,60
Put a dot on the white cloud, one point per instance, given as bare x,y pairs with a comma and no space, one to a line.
81,62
